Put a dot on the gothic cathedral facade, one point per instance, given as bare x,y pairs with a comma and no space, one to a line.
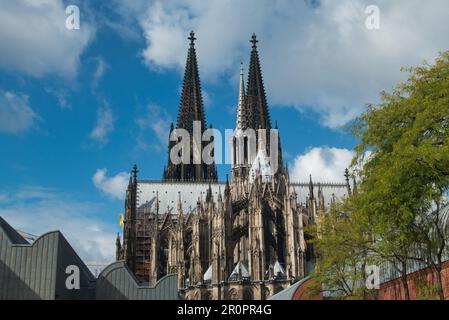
239,239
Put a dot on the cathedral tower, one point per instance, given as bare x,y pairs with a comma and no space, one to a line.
250,148
191,110
257,107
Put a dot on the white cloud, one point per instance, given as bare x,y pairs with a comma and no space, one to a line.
35,40
207,99
62,96
45,210
34,193
104,125
16,116
163,30
324,164
317,58
102,67
158,120
114,186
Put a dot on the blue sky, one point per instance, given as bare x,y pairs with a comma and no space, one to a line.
78,108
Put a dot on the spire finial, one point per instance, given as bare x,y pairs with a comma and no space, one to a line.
135,171
192,38
241,68
348,186
311,195
254,41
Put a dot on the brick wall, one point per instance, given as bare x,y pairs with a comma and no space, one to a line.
301,292
393,290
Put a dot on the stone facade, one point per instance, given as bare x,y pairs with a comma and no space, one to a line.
242,239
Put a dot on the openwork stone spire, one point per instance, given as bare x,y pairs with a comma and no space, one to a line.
191,105
259,117
242,117
190,109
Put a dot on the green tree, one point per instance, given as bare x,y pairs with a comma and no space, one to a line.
404,159
342,244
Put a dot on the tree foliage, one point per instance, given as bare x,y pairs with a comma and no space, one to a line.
402,162
342,243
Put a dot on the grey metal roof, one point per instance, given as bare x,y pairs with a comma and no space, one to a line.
11,233
208,274
117,282
277,268
37,270
168,193
240,270
328,189
287,294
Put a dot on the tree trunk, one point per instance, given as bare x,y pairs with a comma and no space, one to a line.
405,286
439,279
440,285
404,281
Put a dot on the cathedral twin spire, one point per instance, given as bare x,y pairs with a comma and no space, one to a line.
257,107
252,111
190,109
191,105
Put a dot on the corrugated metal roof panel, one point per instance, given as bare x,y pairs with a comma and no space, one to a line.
116,282
37,270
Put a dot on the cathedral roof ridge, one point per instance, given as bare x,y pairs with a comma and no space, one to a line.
183,182
319,183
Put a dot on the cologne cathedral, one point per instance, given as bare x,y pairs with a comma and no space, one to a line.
239,239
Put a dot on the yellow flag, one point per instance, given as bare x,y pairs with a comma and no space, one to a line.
120,217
